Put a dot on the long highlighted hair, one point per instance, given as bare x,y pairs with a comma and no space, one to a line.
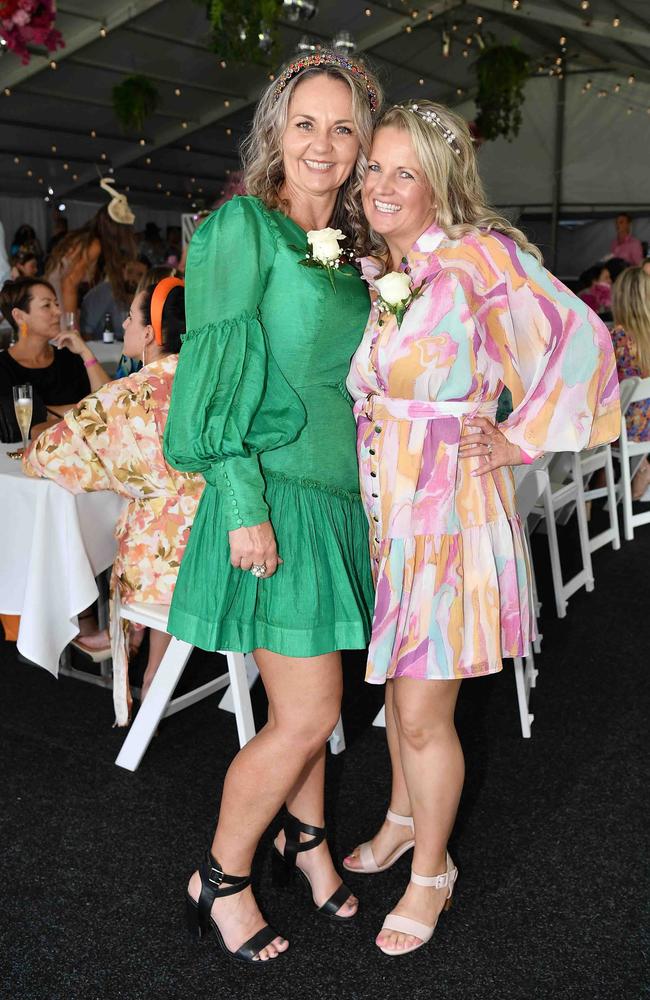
452,177
631,311
262,148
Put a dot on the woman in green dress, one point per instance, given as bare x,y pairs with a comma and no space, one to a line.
277,560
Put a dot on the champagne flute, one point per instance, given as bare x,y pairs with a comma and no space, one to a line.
23,406
69,321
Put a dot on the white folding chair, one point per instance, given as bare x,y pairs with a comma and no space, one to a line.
159,702
532,483
630,455
561,492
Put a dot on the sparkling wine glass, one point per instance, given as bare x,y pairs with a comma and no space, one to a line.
23,406
69,321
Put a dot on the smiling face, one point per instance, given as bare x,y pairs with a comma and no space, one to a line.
396,197
320,143
44,316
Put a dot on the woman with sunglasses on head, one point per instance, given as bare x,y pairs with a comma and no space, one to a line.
461,307
113,441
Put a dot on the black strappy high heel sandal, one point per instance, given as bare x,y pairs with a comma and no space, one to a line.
215,883
284,866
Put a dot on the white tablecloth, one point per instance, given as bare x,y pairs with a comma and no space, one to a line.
52,546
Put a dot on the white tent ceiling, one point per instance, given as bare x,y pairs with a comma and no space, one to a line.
48,117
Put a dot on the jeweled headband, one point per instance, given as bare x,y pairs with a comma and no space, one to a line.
325,59
429,115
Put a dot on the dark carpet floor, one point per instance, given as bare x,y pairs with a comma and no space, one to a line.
551,841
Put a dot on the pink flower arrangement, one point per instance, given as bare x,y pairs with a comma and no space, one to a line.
29,22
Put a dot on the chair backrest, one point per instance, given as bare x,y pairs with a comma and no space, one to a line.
633,390
529,490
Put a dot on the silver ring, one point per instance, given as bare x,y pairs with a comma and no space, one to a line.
258,569
489,448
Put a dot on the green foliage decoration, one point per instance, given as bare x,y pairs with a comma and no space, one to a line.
501,72
134,100
245,31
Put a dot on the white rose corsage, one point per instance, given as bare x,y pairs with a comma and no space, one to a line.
325,251
396,293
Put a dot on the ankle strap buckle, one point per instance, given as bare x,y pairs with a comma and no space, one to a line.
215,875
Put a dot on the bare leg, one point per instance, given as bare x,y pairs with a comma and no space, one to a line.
305,698
434,769
306,801
158,643
390,835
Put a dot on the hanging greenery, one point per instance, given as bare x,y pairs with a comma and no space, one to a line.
134,100
245,31
501,72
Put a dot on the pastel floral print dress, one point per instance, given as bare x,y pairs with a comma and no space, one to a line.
113,441
637,416
448,555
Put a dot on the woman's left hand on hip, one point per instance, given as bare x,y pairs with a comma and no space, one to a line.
489,444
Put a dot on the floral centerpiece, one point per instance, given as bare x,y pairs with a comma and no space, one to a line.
25,23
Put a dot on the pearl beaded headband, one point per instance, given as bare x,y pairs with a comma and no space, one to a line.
325,59
432,118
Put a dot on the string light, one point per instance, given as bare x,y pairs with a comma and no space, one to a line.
415,14
408,29
183,124
148,161
16,159
368,12
226,103
66,166
159,186
53,148
616,22
631,79
421,82
617,88
103,31
93,134
271,77
516,4
562,39
228,131
177,92
223,63
479,20
104,156
143,142
75,177
53,64
30,173
465,53
7,92
188,148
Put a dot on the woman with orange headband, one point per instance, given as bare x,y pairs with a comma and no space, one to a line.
113,441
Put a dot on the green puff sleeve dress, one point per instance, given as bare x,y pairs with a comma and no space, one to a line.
259,406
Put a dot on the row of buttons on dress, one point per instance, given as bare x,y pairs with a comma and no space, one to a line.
231,493
373,474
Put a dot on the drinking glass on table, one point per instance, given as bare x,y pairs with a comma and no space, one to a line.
23,406
69,321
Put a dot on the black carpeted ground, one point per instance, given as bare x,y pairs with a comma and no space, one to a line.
551,840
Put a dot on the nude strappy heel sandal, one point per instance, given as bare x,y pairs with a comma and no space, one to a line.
405,925
368,864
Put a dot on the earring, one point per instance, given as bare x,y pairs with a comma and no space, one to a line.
144,351
23,329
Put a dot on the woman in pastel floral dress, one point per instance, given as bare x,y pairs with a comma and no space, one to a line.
113,441
468,310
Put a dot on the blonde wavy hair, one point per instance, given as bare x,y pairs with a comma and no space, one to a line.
631,311
452,177
262,148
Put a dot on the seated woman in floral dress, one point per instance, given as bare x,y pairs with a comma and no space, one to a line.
113,441
631,336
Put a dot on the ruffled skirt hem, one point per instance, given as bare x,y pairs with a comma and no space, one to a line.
451,606
319,600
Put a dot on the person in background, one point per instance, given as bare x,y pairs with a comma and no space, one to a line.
25,238
152,245
596,288
625,245
95,251
101,300
631,337
61,368
59,231
128,365
646,265
113,441
5,267
24,264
